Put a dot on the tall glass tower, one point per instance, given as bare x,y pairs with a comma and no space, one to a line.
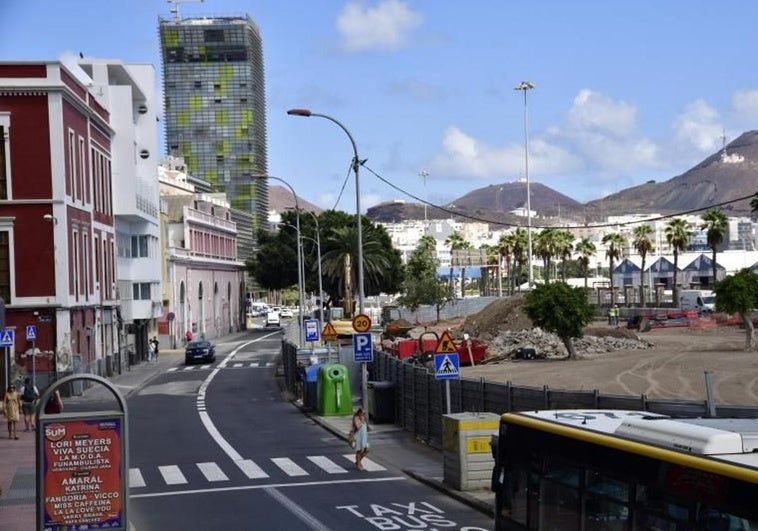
215,105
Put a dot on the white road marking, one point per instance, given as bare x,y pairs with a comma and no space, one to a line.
326,464
307,518
272,485
237,365
250,469
368,464
289,466
172,475
135,478
212,472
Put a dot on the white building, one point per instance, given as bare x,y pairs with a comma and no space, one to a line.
128,92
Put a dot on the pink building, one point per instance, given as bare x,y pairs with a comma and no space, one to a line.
204,279
57,243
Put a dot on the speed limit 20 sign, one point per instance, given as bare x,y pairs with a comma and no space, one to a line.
361,323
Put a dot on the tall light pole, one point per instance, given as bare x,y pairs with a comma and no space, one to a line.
320,286
424,174
299,259
356,164
524,86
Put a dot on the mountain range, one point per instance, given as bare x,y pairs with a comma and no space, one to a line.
720,179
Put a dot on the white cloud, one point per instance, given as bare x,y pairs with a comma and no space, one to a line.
595,112
386,27
699,127
465,156
745,105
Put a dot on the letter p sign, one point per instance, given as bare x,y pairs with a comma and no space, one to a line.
362,348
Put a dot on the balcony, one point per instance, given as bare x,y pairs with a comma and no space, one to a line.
203,218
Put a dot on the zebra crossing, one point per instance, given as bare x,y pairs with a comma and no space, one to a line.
233,365
212,473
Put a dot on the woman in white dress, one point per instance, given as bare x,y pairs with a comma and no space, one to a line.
360,431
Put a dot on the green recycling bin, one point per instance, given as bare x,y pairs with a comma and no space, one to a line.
334,396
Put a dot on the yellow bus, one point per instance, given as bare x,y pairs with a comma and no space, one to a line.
619,470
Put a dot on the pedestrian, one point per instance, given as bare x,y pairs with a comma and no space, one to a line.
155,345
188,336
29,396
54,404
615,315
359,434
150,350
12,408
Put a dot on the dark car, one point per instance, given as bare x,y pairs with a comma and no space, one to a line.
199,351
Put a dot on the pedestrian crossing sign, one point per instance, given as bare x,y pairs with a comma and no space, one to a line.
447,366
445,344
7,338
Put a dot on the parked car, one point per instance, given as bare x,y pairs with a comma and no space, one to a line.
273,318
287,313
196,351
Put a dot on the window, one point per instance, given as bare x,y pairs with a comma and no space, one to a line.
3,170
139,247
86,264
83,192
5,266
72,164
141,291
75,240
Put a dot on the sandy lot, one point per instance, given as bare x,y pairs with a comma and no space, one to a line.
674,369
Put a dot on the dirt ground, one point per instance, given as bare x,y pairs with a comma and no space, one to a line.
673,369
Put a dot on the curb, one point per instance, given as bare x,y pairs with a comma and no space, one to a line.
471,501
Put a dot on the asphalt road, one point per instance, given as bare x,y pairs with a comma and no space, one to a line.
215,447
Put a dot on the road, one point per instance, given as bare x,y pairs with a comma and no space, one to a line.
215,447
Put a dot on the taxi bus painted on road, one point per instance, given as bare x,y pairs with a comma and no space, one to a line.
624,470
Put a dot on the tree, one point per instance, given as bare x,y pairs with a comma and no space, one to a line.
615,243
739,294
421,285
643,244
506,252
544,246
564,246
560,309
455,241
586,249
677,235
716,225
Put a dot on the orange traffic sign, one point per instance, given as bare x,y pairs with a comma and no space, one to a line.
361,323
445,344
329,333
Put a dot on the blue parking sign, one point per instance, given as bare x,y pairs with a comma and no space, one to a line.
363,350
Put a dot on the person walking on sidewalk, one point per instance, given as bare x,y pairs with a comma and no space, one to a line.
29,395
155,347
54,404
360,434
12,407
150,350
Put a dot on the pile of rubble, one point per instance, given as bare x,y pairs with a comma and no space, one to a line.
508,344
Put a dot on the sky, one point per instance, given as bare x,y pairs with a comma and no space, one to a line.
624,91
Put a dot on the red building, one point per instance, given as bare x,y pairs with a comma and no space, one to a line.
56,224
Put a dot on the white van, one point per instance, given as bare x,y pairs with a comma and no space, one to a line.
273,317
700,300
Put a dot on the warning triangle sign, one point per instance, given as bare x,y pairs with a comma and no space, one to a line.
329,333
445,344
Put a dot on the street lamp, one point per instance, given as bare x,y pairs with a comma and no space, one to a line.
524,86
320,287
356,164
299,261
424,174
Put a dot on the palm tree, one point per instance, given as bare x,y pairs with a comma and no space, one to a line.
339,263
585,248
643,244
678,237
519,244
715,223
544,247
504,248
615,242
455,241
563,249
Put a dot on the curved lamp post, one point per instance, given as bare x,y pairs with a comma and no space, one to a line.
299,260
524,86
356,164
320,286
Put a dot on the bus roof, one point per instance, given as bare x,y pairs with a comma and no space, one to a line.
733,440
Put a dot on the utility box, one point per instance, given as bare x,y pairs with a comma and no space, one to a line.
334,396
381,401
466,451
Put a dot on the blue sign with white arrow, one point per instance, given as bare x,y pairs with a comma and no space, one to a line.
7,338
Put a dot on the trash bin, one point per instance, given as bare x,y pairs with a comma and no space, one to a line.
310,387
381,401
334,396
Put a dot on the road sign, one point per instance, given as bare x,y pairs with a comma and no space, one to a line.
363,350
7,338
329,333
447,366
31,332
311,329
445,344
361,323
